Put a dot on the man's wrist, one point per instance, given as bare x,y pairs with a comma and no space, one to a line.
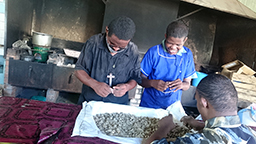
93,84
127,86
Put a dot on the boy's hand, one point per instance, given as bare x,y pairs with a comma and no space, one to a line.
159,85
176,85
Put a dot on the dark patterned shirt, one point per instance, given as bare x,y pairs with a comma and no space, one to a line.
96,60
218,130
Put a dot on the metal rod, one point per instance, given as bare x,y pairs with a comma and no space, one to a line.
254,60
186,15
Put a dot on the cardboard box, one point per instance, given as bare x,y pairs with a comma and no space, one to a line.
239,72
238,67
243,79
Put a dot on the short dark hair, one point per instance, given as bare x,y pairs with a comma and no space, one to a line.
123,27
219,91
177,29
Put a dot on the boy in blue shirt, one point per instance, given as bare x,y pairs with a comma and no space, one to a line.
166,69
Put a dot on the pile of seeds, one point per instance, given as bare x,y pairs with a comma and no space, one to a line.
178,131
126,125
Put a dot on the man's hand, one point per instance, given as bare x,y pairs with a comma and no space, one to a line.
120,89
159,85
102,89
165,126
189,121
176,84
167,122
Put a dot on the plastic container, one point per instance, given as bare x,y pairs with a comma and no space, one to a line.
200,76
52,95
39,98
40,53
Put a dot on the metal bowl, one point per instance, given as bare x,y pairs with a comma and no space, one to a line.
41,39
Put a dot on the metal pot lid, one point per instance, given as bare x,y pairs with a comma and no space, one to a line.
42,34
41,39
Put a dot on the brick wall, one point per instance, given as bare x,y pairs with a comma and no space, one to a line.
10,90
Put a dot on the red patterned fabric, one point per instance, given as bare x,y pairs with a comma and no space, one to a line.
31,121
254,128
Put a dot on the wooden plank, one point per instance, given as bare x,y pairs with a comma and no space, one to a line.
246,94
244,78
248,86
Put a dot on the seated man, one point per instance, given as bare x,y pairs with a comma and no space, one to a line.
217,103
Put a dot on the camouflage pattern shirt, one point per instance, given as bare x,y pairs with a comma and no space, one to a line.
218,130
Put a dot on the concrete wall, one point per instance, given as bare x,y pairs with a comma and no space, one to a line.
202,27
214,37
19,20
74,20
68,20
235,39
150,16
217,38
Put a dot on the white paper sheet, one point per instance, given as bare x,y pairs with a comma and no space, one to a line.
72,53
85,125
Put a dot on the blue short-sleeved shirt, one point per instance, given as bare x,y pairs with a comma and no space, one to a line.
158,64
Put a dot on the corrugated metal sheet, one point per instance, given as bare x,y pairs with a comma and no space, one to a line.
250,4
229,6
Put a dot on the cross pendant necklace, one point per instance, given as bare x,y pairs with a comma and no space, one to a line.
110,76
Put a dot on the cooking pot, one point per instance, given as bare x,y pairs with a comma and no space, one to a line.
41,39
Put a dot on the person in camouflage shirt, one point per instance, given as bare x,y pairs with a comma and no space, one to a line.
217,103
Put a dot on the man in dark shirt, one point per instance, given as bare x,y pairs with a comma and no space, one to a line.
109,65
